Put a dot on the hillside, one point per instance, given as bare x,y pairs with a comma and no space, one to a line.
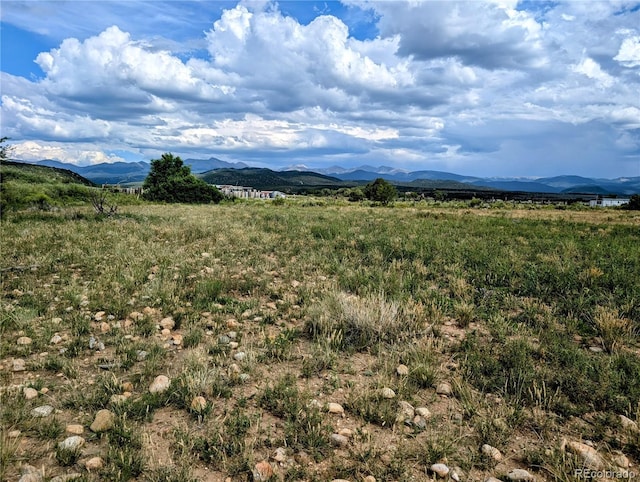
272,180
39,174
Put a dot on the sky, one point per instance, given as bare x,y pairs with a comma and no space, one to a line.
495,88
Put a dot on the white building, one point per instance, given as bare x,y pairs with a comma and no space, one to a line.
608,202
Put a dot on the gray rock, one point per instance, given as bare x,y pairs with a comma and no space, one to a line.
441,470
240,356
491,452
30,474
339,440
19,365
42,411
71,443
444,388
402,370
224,340
24,340
386,392
520,474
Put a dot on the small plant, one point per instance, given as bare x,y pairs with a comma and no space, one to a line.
100,203
67,456
613,328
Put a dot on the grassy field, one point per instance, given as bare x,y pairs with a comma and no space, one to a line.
320,340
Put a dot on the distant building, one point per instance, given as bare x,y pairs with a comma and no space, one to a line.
608,202
244,192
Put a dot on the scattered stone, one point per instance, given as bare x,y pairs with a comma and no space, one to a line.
424,412
30,474
233,345
74,429
402,370
44,390
234,368
224,340
105,327
419,422
55,339
596,349
406,413
441,470
103,421
369,478
240,356
94,463
232,335
454,474
589,455
339,440
42,411
621,460
491,452
24,340
14,434
99,316
386,392
66,477
244,377
346,432
628,424
519,474
444,388
19,365
280,455
29,393
141,355
160,384
262,471
71,443
167,323
127,387
335,408
177,339
198,404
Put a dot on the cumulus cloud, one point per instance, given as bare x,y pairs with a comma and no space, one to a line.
80,155
629,53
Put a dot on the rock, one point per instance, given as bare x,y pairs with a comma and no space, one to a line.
42,411
19,365
66,477
346,432
105,327
406,412
491,452
419,422
492,479
335,408
233,345
424,412
628,424
339,440
262,471
244,377
589,455
386,392
167,323
103,421
29,393
235,368
160,384
71,443
141,355
30,474
198,404
441,470
55,339
177,339
519,474
444,388
224,340
24,340
280,455
596,349
94,463
127,387
402,370
99,316
240,356
369,478
74,429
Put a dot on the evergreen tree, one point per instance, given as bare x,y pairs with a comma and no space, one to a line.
380,191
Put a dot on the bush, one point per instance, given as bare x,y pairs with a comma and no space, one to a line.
380,191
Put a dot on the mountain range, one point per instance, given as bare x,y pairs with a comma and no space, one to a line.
222,172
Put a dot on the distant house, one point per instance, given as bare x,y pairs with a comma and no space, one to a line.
608,202
244,192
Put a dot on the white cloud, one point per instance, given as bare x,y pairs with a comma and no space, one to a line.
591,69
629,53
31,150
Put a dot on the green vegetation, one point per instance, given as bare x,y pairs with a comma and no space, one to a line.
437,327
169,180
380,191
634,203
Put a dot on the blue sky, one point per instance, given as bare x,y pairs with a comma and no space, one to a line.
487,88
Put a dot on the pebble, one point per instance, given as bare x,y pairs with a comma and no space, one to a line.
66,477
71,443
339,440
42,411
55,339
167,323
596,349
127,387
423,412
103,421
141,355
99,316
628,424
621,460
234,368
386,392
224,340
160,384
177,339
407,412
240,356
519,474
105,327
346,432
19,365
94,463
491,452
441,470
29,393
262,471
402,370
233,345
419,422
244,377
198,404
280,455
30,474
369,478
14,434
74,429
24,340
444,388
335,408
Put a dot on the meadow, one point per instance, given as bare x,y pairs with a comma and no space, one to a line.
314,339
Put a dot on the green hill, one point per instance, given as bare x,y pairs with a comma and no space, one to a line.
272,180
27,185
